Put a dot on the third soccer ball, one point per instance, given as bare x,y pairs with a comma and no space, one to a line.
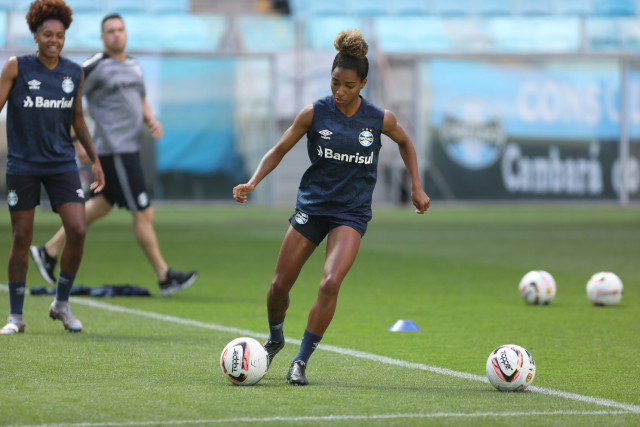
244,361
510,368
537,287
604,288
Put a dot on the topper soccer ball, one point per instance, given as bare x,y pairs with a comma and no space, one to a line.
244,361
604,288
510,368
537,287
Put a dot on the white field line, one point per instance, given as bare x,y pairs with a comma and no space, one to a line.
353,353
332,418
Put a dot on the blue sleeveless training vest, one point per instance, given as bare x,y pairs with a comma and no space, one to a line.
344,160
39,114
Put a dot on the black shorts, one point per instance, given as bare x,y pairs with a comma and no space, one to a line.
124,181
316,227
24,190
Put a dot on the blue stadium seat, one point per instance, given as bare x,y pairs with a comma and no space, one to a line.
603,33
575,7
122,6
615,7
266,33
419,34
175,32
629,31
494,8
21,5
326,7
321,30
408,7
534,7
79,6
84,32
453,7
543,34
367,7
167,6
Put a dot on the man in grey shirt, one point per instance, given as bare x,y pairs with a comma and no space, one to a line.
115,91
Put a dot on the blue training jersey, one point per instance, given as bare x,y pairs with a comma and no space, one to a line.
39,115
344,160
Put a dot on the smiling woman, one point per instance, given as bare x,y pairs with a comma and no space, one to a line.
44,96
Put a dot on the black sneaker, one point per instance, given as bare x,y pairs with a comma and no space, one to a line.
44,262
296,375
272,347
177,281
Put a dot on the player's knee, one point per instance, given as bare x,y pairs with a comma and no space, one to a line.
76,233
329,287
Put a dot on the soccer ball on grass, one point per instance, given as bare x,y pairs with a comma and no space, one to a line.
604,288
510,368
244,361
537,287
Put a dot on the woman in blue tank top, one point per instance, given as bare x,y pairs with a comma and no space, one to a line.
44,96
334,198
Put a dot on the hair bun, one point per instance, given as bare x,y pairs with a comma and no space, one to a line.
352,43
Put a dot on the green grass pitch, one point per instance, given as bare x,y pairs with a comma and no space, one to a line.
453,271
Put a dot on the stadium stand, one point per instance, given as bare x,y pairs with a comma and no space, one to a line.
575,7
367,7
320,31
396,25
453,7
167,6
81,6
494,8
407,7
615,7
534,8
419,33
122,6
266,33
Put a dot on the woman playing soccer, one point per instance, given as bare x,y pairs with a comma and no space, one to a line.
44,96
334,198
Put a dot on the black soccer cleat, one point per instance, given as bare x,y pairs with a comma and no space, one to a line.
176,281
296,374
272,347
45,263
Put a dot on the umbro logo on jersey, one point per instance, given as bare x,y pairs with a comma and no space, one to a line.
34,84
41,102
325,134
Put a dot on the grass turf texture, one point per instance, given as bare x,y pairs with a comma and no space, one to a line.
454,272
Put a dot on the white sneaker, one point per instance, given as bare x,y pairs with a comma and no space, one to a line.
66,316
12,327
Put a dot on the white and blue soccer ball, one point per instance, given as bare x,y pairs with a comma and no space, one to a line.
510,368
537,287
244,361
604,288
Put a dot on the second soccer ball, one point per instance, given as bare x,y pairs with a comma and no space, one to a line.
537,287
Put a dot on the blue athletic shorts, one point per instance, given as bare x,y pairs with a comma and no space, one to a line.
316,227
23,191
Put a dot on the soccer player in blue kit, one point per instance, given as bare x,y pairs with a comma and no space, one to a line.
44,96
334,198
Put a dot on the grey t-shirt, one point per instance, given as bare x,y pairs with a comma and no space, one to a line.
115,90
